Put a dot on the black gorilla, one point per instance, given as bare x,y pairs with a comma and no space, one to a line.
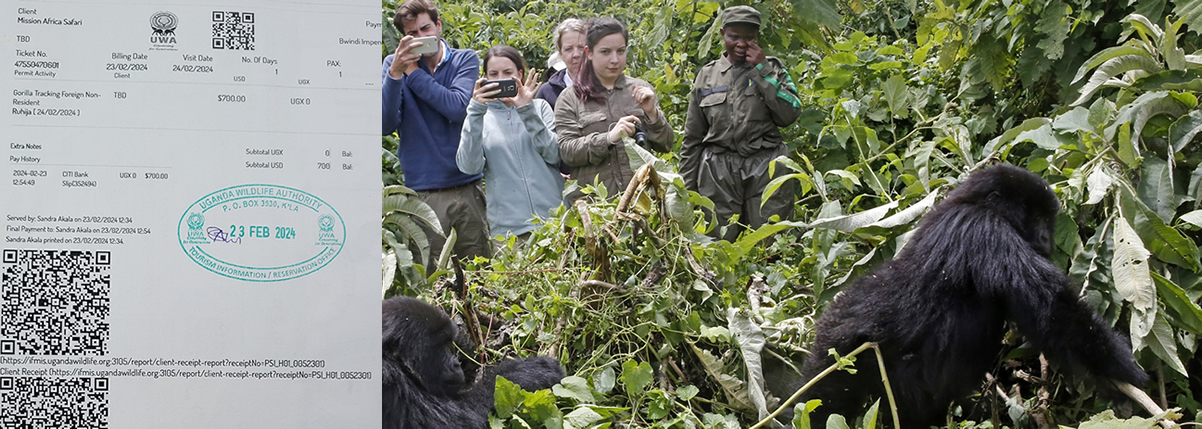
939,309
424,386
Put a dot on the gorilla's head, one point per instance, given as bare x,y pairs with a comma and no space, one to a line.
419,342
1021,197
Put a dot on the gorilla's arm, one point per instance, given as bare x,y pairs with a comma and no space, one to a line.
407,405
1038,300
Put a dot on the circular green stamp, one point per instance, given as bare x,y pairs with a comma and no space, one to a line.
261,233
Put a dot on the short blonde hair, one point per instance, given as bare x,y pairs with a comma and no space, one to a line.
570,24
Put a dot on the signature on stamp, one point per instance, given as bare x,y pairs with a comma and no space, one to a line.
216,234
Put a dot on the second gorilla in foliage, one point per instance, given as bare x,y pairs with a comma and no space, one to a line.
424,385
939,310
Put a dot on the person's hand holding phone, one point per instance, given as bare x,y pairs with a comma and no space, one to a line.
404,60
485,91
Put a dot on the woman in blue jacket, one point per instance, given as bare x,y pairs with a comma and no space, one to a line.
512,141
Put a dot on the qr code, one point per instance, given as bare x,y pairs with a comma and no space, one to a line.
53,402
234,30
56,302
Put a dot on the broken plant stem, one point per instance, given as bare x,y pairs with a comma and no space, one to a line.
835,367
1140,397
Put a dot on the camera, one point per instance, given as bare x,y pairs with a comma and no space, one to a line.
508,87
429,45
640,133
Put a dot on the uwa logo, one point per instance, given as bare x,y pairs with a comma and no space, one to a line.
162,36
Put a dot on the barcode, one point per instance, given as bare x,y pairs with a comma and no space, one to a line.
53,402
234,30
56,302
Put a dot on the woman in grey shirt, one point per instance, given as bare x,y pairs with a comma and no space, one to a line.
512,141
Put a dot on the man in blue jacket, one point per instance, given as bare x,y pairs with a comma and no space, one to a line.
425,102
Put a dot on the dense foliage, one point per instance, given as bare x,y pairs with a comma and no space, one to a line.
660,326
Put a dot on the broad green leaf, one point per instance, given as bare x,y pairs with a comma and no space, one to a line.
1193,218
1132,279
850,181
444,259
1106,55
540,406
1107,420
736,393
822,12
1101,112
1076,120
847,58
686,393
859,265
508,397
849,223
1161,106
886,65
747,241
573,387
1156,188
1067,235
1052,23
750,338
636,377
896,95
707,41
836,421
659,405
1166,243
605,380
908,214
1141,24
388,269
720,421
1174,56
1182,131
1102,77
1179,302
1011,134
801,413
1042,137
1099,183
1180,80
716,334
922,163
411,206
1190,11
1128,148
1091,259
991,62
874,180
870,417
659,31
1164,345
580,418
1133,282
803,179
410,231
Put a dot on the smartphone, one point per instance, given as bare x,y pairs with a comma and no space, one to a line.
509,87
429,45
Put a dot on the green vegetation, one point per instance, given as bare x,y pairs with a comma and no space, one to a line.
659,326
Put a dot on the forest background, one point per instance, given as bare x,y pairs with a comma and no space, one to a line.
660,326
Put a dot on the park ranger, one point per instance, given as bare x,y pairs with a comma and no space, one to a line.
737,106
